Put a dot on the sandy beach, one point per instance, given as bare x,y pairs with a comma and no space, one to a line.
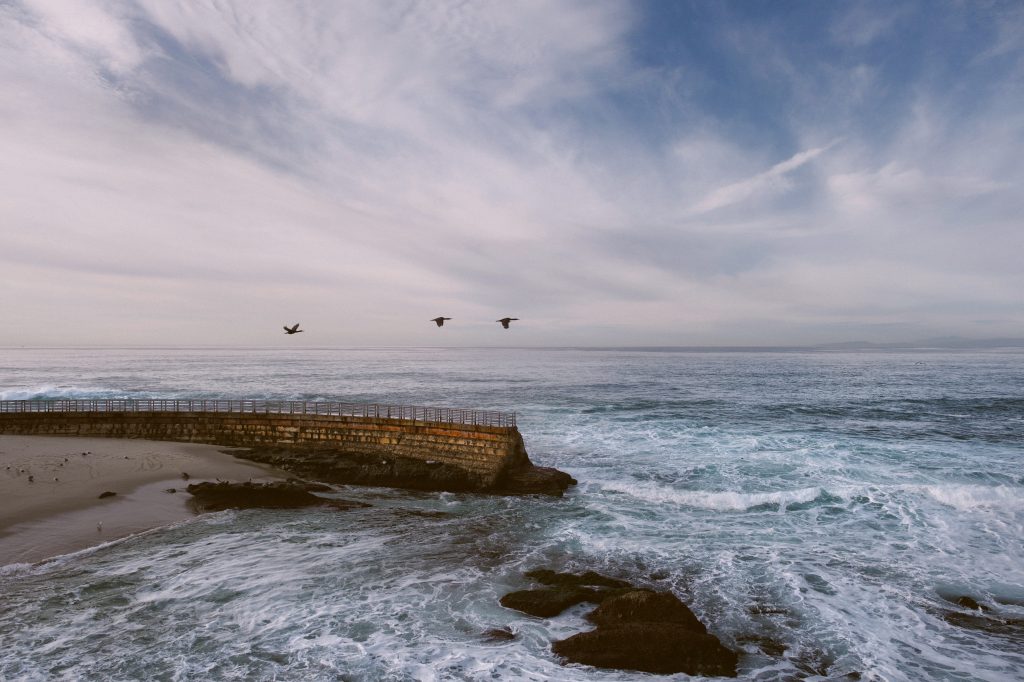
50,488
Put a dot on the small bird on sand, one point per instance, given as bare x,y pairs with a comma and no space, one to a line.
31,479
99,527
505,320
440,320
293,329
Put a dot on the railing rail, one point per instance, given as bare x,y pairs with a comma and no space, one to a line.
448,415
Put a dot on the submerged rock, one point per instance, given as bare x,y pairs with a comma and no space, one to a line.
106,493
767,645
1010,628
970,603
504,634
566,589
277,495
662,648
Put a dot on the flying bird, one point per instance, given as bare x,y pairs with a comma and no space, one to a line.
505,320
293,330
439,321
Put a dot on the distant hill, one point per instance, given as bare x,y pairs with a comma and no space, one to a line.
950,342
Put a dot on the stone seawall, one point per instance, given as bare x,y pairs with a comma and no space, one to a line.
487,454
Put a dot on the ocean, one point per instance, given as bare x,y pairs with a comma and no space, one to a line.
820,511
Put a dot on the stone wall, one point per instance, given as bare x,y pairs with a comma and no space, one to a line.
486,452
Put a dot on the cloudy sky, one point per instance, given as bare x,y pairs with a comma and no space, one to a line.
662,173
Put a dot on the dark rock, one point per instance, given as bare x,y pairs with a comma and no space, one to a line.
548,577
346,468
334,465
969,603
645,606
662,648
278,495
106,493
171,490
768,646
534,480
1010,628
500,635
551,601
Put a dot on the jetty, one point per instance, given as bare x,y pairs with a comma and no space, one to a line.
425,448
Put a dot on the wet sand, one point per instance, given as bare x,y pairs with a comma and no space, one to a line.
59,510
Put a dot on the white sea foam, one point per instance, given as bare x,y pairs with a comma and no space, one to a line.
14,569
52,391
974,497
726,500
383,594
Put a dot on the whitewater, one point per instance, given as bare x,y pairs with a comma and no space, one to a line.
821,511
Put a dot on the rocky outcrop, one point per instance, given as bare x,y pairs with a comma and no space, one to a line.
277,495
534,480
551,601
353,468
663,648
565,590
548,577
645,606
637,629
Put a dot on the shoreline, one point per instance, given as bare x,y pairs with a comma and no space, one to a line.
46,517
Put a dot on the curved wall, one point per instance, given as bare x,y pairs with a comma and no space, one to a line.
485,452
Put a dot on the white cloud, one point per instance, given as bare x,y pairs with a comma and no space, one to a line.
90,27
181,172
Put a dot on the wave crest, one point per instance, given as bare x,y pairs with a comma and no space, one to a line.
972,497
726,500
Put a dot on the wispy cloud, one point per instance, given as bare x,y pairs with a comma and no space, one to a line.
773,180
201,171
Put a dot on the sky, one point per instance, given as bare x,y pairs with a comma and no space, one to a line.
612,173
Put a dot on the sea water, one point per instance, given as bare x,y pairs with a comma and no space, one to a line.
821,512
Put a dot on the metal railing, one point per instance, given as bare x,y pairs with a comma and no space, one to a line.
447,415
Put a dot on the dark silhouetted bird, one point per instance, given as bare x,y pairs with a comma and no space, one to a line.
293,330
505,320
439,321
